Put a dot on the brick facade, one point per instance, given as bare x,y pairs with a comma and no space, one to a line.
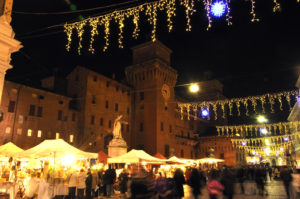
146,100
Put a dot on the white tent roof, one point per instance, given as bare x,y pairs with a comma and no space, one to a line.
10,150
174,159
210,160
135,156
57,147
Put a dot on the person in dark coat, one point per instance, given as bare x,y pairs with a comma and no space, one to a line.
260,180
88,185
179,181
194,182
108,180
286,177
241,175
123,179
228,182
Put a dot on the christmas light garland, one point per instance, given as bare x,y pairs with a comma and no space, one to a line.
150,10
281,128
226,106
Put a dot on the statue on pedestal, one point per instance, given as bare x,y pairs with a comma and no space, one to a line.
117,146
117,127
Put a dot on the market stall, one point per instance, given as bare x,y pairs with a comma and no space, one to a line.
10,150
135,157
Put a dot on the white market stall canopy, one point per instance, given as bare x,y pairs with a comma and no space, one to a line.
10,150
210,160
57,148
175,160
135,156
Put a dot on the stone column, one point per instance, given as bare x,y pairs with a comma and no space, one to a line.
8,44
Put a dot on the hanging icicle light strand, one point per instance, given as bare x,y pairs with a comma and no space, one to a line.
247,103
150,9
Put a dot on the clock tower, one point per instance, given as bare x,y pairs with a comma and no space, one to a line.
153,113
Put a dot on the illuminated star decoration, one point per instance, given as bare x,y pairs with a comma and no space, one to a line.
218,8
204,113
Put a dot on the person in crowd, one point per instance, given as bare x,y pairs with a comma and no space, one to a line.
179,181
194,182
214,186
165,188
286,177
32,187
88,185
139,187
228,183
102,187
270,170
241,176
108,180
123,180
260,180
72,181
81,184
95,183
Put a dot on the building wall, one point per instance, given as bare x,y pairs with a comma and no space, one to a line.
18,119
154,123
222,148
100,101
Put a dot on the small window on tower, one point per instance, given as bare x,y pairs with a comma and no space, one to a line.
11,106
71,138
29,132
39,133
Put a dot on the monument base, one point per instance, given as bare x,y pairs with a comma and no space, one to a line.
117,147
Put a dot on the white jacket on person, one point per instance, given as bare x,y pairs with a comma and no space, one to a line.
81,180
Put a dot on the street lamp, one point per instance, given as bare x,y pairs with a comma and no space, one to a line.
194,88
261,119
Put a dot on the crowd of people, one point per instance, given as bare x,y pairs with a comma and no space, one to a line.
137,182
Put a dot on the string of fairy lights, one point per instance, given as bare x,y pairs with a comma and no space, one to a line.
213,8
212,109
257,130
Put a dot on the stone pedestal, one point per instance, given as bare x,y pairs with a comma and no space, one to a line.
117,147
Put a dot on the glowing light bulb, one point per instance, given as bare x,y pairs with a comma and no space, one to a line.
261,119
204,113
194,88
218,8
263,131
286,139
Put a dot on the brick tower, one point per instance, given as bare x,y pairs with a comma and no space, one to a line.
153,114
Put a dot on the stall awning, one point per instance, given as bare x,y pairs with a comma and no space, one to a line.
10,150
57,148
135,156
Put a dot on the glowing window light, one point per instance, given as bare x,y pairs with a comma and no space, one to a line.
218,8
71,138
39,133
204,113
29,132
57,135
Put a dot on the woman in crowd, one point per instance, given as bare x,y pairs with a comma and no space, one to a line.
81,184
179,181
214,186
123,180
195,182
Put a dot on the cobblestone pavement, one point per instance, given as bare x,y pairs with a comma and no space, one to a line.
275,190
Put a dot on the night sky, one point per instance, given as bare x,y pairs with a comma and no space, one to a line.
248,58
